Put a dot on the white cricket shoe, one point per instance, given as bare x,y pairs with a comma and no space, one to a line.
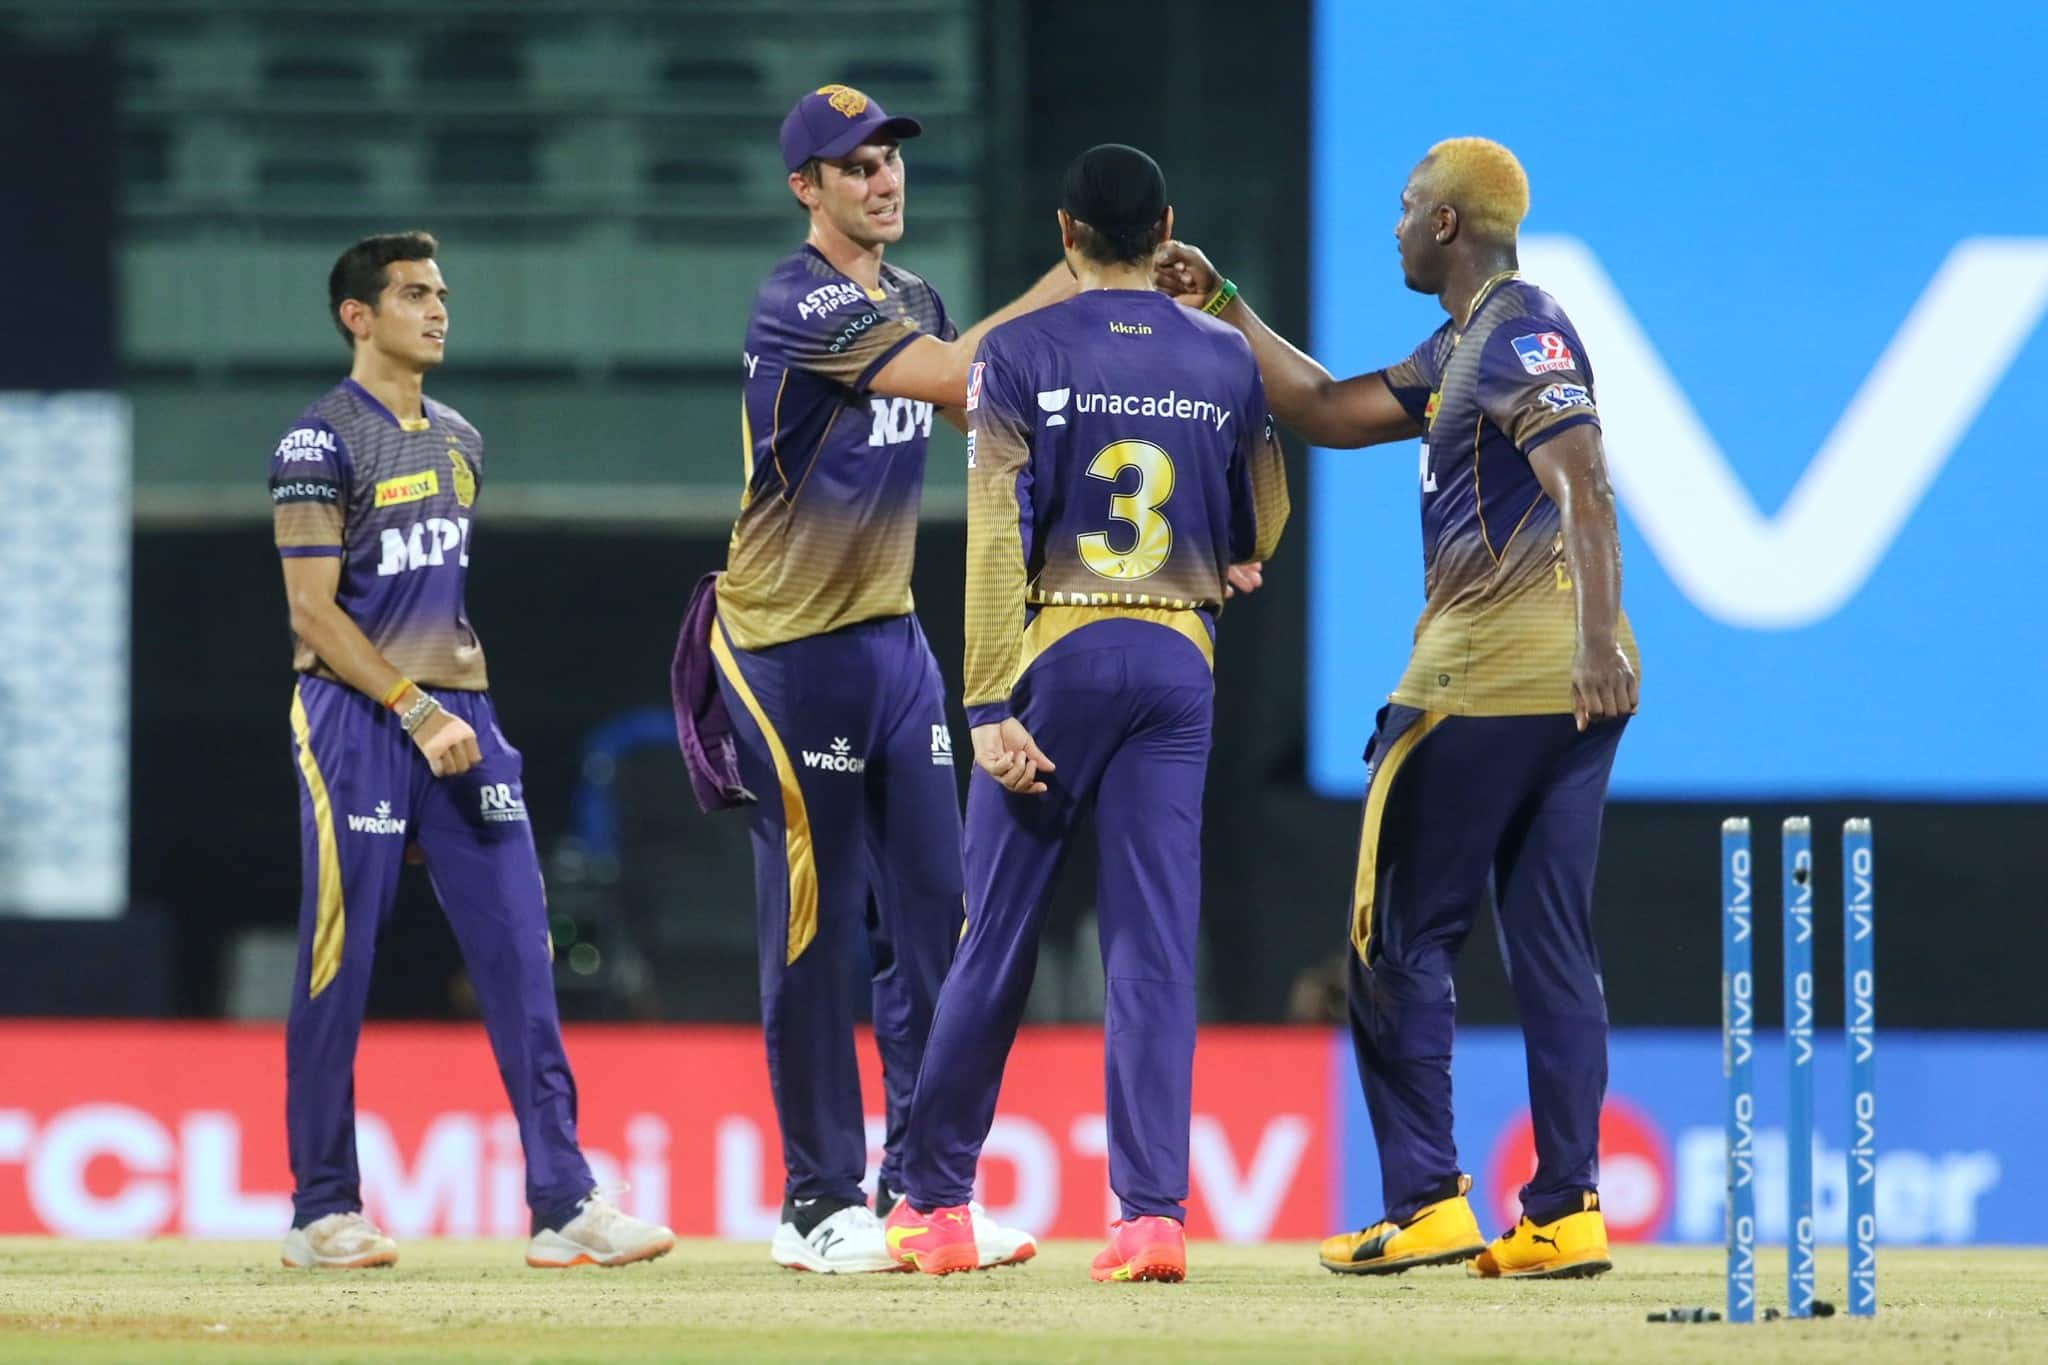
850,1242
340,1241
601,1233
997,1244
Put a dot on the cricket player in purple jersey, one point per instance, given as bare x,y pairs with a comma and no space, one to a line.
1487,771
374,491
834,702
1120,464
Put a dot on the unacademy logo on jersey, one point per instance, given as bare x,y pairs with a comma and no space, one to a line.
381,823
1168,404
841,760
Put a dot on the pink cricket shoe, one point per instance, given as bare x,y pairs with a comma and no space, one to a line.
938,1243
1150,1248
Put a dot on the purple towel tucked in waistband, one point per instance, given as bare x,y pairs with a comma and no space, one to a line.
703,728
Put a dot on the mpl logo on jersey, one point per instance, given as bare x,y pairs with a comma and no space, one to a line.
423,545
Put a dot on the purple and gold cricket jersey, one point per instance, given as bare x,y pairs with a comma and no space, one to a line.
1119,461
393,500
828,521
1500,624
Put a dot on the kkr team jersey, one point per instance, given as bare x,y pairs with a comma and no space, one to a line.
828,521
1119,462
392,500
1500,624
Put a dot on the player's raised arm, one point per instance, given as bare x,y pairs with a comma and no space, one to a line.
934,370
1255,530
1338,414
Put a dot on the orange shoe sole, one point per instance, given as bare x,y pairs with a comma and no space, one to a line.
1149,1267
949,1260
374,1261
645,1254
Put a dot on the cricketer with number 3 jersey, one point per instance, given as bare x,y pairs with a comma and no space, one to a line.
1120,462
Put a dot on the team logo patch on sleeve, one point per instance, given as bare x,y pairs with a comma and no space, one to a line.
1558,397
974,386
1545,352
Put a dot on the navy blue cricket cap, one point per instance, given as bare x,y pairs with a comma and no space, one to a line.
1113,188
833,120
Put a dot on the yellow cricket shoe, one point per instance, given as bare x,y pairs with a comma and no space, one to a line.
1573,1247
1437,1234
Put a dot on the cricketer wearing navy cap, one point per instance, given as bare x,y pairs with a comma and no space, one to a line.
837,712
1121,478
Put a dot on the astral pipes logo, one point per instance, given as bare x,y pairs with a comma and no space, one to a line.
1635,1171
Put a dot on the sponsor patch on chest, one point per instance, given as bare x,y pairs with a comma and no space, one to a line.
408,488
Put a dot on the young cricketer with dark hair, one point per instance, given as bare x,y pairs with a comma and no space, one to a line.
374,490
1120,464
835,702
1487,772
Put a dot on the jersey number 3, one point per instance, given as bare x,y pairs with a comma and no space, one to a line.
1151,535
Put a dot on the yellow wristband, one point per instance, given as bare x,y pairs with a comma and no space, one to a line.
1220,300
396,690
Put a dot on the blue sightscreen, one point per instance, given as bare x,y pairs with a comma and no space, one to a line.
1741,209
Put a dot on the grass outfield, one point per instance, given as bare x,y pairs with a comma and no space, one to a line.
175,1301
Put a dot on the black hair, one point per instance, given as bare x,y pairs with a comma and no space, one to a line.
360,274
1122,246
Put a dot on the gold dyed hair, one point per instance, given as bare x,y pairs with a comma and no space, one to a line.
1482,180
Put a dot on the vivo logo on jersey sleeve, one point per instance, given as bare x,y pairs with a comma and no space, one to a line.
1737,564
424,545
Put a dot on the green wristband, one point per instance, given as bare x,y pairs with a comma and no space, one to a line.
1220,300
